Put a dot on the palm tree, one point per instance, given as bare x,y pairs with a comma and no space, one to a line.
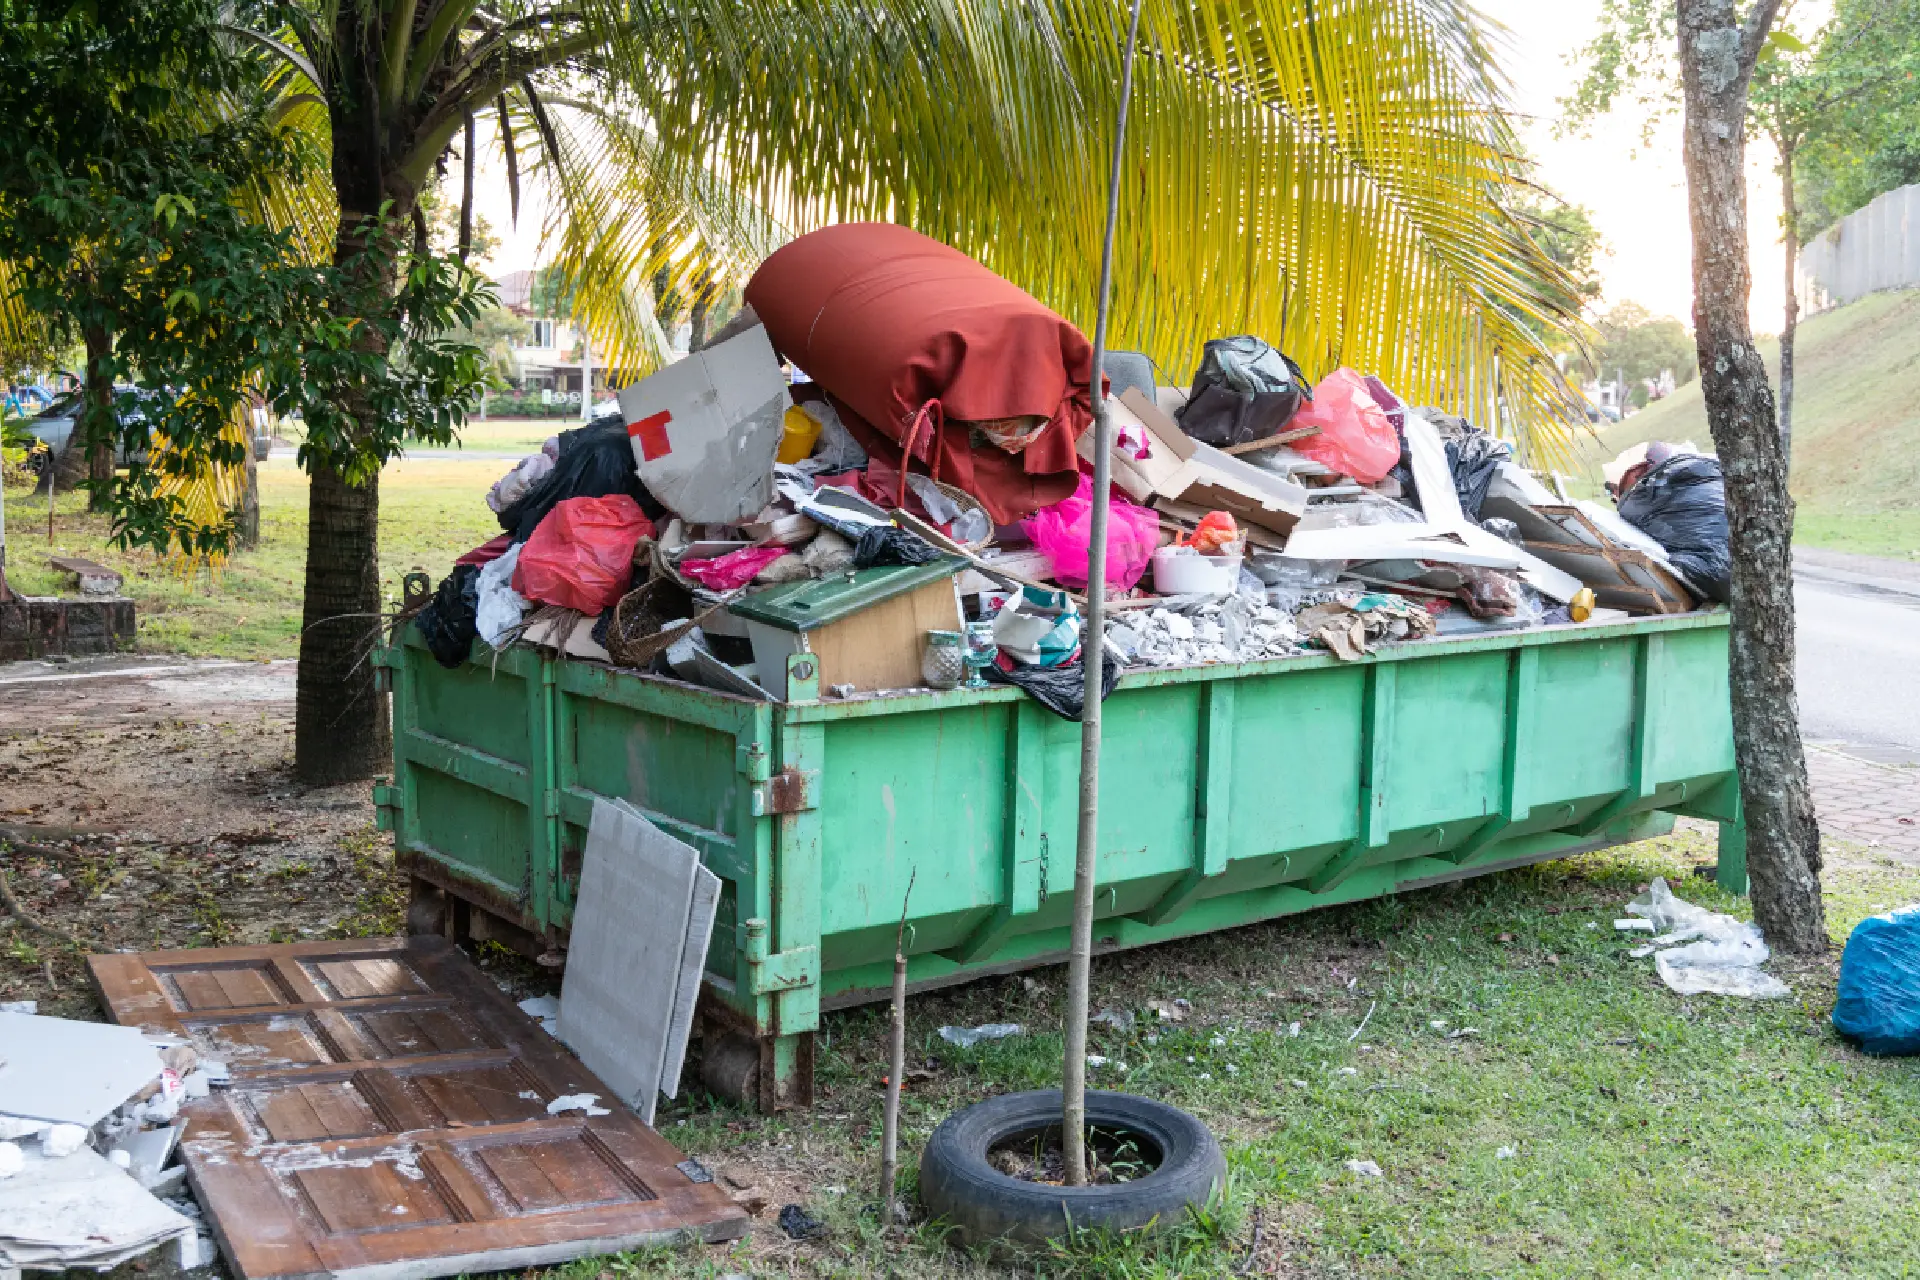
1330,174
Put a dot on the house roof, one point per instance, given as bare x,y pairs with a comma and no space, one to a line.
515,289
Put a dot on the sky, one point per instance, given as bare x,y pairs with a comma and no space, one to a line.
1635,191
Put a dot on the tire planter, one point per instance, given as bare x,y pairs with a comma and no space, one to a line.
985,1205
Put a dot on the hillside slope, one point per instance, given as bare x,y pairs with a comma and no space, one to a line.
1856,452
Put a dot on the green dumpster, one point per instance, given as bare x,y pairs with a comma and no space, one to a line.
1232,794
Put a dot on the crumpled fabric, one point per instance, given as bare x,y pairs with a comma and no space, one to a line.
1349,629
913,341
500,606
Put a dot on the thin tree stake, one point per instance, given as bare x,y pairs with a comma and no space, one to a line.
896,1066
1073,1075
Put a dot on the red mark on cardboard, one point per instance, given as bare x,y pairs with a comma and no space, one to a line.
651,432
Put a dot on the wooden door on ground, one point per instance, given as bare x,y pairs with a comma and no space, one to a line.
389,1114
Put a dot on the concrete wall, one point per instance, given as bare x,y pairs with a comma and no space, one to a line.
1874,248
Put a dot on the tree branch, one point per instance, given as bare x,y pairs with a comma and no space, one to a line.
1753,32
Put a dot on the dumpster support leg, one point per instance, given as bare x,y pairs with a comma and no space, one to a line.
1732,872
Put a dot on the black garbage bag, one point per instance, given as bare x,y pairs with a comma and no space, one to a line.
447,623
886,544
1062,689
1473,459
1682,504
595,460
1245,390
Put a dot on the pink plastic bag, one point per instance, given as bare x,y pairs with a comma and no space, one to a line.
581,554
735,569
1065,529
1356,437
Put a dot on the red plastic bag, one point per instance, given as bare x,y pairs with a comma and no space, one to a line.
1065,530
1356,437
581,555
1215,534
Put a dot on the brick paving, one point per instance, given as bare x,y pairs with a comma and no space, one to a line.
1869,804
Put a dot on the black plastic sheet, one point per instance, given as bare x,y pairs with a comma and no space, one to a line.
595,460
1062,689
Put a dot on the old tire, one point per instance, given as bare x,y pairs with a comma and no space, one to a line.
984,1205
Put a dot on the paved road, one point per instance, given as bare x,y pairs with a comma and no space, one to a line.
1859,650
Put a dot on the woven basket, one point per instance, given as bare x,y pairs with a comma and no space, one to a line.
636,635
966,502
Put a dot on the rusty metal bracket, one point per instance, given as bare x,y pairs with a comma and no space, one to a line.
774,971
788,791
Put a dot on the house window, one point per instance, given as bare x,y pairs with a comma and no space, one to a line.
543,333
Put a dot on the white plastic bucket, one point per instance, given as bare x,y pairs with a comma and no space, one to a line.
1181,571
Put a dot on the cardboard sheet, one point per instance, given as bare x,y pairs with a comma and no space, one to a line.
1179,469
706,429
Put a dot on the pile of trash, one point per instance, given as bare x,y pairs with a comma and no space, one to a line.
89,1127
875,478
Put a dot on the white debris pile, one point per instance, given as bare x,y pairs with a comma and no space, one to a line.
87,1134
1721,956
1234,628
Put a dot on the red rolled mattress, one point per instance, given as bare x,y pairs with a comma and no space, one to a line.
914,340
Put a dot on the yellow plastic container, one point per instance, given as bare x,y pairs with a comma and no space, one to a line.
799,432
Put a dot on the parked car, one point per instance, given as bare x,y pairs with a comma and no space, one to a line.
54,425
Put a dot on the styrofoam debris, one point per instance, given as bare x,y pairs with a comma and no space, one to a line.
576,1102
967,1037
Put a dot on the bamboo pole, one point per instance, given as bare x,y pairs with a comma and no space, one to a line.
896,1067
1073,1075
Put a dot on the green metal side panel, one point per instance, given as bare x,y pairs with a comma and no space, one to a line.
1230,794
471,755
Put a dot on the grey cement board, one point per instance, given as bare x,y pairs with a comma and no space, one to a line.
628,956
70,1072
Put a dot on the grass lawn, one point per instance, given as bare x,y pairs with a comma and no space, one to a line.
431,511
1856,422
1649,1133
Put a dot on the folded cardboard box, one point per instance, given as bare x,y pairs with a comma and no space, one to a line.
1178,470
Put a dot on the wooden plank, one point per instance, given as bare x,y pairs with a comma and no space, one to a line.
388,1118
1271,442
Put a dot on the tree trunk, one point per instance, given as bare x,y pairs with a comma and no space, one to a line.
1790,239
1783,840
99,426
247,514
341,729
341,732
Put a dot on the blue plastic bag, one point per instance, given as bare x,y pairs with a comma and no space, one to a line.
1878,1004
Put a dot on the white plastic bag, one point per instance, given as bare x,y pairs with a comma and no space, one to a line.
501,607
1722,956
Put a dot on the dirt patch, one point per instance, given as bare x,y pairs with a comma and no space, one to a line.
149,805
